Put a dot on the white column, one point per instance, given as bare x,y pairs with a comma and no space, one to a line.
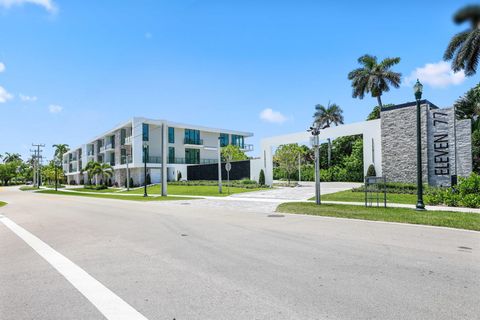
164,158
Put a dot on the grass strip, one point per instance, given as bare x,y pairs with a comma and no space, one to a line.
113,196
350,196
193,190
459,220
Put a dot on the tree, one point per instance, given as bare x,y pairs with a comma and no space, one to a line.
261,178
374,78
96,169
287,157
11,157
375,114
232,153
60,150
8,171
324,117
468,106
464,48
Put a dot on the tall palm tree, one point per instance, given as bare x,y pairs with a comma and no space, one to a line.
374,78
325,117
464,47
60,150
11,157
96,169
468,106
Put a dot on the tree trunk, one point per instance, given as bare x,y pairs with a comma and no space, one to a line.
379,99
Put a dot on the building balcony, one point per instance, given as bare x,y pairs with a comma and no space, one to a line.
193,142
128,140
109,147
190,161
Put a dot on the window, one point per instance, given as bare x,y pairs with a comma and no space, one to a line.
192,156
192,136
112,141
238,141
123,134
171,155
171,135
123,156
223,139
145,131
146,153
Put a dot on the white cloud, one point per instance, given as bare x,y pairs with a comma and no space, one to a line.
437,75
2,66
48,5
54,108
270,115
25,98
4,95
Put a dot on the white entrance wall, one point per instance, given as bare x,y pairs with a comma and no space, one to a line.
372,145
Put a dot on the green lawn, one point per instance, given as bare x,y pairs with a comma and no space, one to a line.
109,190
459,220
113,196
192,190
350,196
2,203
28,188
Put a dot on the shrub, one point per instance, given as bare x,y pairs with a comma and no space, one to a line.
261,178
470,200
179,176
149,180
371,171
131,182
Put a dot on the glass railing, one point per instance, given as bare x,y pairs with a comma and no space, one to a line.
128,140
190,161
198,142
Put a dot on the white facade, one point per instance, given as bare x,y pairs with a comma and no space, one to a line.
176,144
372,145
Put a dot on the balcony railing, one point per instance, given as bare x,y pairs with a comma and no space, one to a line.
128,140
109,146
90,153
198,142
190,161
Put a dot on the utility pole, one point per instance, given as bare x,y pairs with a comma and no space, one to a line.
38,162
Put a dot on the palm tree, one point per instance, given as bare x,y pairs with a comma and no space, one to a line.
11,157
324,117
464,47
95,169
468,106
374,78
60,150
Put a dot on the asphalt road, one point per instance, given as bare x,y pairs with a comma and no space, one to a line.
190,260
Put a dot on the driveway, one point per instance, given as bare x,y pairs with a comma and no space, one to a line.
305,191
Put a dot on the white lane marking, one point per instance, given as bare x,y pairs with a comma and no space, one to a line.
107,302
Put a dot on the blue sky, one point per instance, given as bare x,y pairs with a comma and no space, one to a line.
72,69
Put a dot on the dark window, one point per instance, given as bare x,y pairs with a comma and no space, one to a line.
192,136
171,135
223,139
145,131
171,155
145,154
123,156
123,134
238,141
192,156
112,141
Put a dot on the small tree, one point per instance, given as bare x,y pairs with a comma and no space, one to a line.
233,153
261,178
287,157
179,176
371,171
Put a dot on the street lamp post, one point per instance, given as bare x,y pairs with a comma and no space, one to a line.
145,146
417,88
56,175
219,160
315,133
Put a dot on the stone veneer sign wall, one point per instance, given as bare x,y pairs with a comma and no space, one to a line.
446,144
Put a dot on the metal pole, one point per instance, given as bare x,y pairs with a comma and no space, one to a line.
420,205
219,159
228,181
317,172
145,171
299,169
56,178
128,174
164,159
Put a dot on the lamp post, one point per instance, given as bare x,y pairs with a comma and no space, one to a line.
219,160
145,146
56,174
315,133
417,88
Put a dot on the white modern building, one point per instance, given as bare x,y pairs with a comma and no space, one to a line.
176,144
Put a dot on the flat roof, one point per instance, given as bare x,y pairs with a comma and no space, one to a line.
409,104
